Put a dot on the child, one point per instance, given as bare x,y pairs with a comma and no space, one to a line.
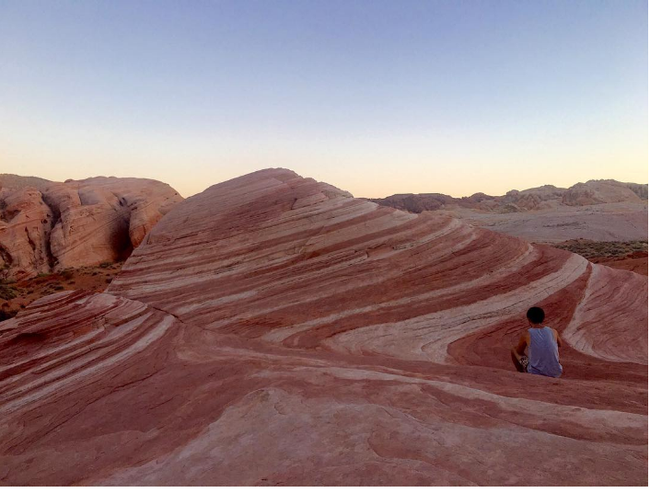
542,343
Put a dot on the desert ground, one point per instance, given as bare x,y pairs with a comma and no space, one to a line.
274,330
16,295
603,220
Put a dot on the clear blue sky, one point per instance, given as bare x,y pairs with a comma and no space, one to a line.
376,97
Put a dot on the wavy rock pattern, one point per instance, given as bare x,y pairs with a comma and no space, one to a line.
274,330
599,210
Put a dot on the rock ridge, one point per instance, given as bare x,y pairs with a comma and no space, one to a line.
273,330
49,226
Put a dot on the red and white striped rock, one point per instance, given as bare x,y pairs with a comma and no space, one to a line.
274,330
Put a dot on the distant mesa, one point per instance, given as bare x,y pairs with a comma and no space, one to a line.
540,198
47,226
598,210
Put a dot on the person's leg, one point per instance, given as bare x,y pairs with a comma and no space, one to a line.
517,360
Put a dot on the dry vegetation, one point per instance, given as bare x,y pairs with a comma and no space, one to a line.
604,249
626,255
17,295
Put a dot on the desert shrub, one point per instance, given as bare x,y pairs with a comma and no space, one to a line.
58,287
7,292
591,249
67,274
104,265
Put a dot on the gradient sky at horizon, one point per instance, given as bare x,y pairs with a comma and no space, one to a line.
375,97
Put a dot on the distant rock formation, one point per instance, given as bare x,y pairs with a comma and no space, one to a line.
604,192
598,210
274,330
540,198
47,226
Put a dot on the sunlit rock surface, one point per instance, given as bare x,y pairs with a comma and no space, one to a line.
274,330
598,210
47,226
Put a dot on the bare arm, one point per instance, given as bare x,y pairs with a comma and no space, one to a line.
557,338
524,340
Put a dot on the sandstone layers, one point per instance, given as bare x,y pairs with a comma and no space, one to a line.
47,226
598,210
274,330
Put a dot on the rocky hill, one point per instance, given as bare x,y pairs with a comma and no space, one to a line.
49,226
534,199
595,211
273,330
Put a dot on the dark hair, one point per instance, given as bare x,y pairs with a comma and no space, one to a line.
535,315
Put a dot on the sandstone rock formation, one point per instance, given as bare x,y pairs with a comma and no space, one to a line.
598,210
540,198
25,227
274,330
46,226
634,262
604,192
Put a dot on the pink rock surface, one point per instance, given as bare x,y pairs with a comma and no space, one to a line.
76,223
601,222
25,226
539,198
598,210
274,330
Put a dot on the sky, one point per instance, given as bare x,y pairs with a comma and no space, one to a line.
375,97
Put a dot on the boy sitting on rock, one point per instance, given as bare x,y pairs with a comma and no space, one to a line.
542,344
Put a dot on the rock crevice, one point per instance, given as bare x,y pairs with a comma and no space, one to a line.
48,226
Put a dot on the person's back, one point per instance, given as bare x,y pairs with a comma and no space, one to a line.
537,351
543,354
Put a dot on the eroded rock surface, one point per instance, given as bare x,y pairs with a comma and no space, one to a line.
540,198
47,226
274,330
598,210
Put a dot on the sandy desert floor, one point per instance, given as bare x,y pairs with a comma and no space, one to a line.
630,255
602,222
